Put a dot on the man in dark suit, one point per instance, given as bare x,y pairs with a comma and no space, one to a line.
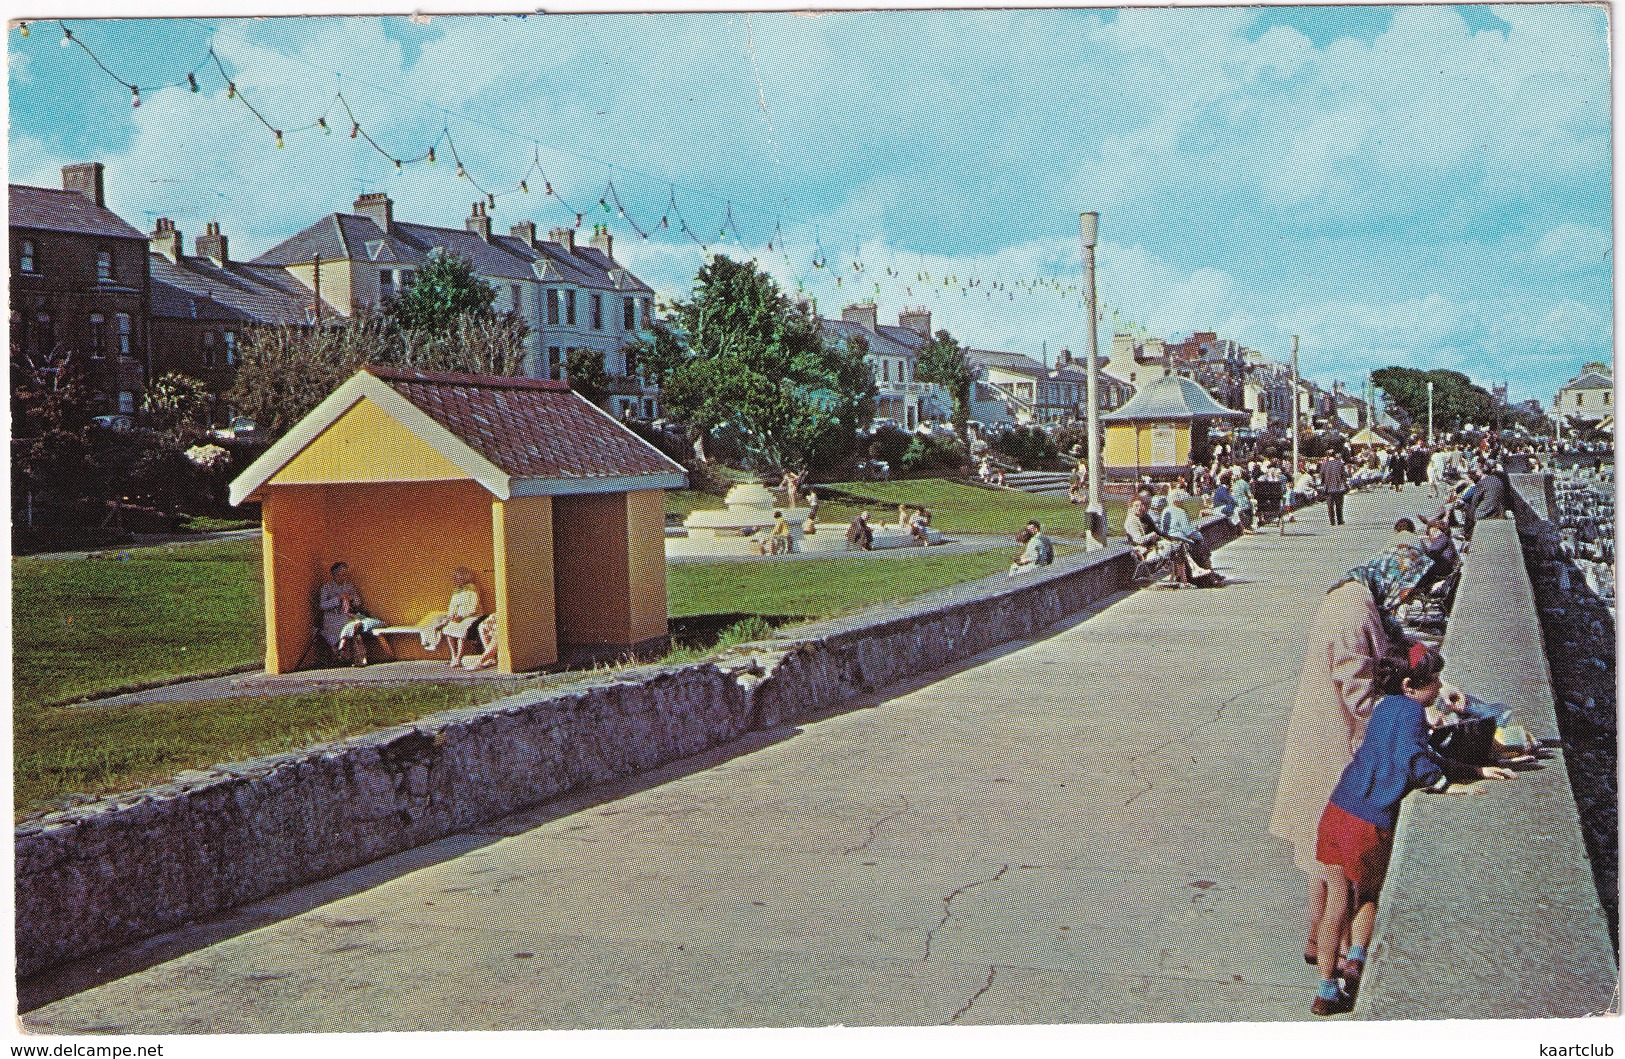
1334,482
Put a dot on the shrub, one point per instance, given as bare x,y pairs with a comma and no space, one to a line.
1025,446
889,444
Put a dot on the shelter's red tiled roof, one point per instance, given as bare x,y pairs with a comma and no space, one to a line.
530,428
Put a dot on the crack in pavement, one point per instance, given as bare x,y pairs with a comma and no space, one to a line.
991,971
1149,787
947,908
874,828
1133,760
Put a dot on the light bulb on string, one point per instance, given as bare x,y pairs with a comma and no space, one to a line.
231,90
549,188
191,81
322,122
397,165
355,130
490,200
461,171
135,96
67,37
579,219
431,156
604,204
524,187
279,143
22,27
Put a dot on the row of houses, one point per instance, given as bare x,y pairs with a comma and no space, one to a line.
139,305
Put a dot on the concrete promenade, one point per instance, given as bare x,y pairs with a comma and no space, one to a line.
1068,830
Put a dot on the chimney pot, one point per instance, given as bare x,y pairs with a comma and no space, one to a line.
86,179
478,222
603,240
212,245
378,207
165,239
865,314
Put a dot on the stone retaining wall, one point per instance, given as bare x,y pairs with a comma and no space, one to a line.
122,869
1490,909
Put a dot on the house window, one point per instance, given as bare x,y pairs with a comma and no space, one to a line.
386,283
648,312
208,349
552,306
885,371
104,266
597,312
1579,399
126,402
98,334
1607,397
25,256
231,348
569,308
629,360
555,362
513,292
629,313
123,334
44,335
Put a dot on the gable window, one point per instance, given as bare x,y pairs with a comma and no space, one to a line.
597,312
1579,399
104,266
123,334
552,306
569,308
25,255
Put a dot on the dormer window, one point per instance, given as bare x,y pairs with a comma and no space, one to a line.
25,256
104,266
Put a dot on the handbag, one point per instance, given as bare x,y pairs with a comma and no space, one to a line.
1470,741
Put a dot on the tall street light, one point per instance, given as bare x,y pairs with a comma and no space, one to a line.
1430,413
1089,226
1294,407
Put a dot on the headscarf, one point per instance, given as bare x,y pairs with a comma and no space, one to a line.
1388,576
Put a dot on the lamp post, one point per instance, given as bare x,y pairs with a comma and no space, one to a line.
1430,413
1294,407
1089,226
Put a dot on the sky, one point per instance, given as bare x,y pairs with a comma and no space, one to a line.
1423,186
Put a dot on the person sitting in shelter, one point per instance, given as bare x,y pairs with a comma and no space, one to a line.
860,536
489,643
1038,550
457,624
345,624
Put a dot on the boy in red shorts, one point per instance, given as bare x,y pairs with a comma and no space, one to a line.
1357,828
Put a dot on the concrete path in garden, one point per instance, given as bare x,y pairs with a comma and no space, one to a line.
1066,830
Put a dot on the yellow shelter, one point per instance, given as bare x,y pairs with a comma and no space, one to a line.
1161,429
404,475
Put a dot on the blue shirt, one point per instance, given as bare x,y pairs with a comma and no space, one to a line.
1393,760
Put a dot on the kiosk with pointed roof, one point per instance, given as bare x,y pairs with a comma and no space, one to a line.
405,475
1161,429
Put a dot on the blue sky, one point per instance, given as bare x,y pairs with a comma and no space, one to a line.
1426,186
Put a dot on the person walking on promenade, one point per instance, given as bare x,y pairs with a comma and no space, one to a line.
1334,483
1355,836
1337,690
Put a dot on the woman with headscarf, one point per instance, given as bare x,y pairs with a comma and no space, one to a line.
1337,691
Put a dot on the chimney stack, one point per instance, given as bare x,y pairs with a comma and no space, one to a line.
866,314
478,222
86,179
565,237
525,232
212,245
166,239
603,240
916,320
378,207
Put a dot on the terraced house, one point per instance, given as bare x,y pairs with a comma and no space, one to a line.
573,296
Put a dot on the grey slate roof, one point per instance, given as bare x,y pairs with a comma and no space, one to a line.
903,336
196,288
1171,399
879,344
55,210
1019,363
1591,380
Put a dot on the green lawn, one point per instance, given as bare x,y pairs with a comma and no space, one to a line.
82,626
91,751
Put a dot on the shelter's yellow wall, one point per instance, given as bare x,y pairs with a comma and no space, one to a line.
401,539
610,562
1128,445
523,531
367,444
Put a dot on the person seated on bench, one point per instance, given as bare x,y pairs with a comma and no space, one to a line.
919,525
489,643
1438,547
345,623
1175,524
458,623
1149,543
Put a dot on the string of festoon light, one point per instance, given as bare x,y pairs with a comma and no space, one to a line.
851,275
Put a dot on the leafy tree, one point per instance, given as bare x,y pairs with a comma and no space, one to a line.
1456,400
945,362
1025,446
177,405
445,288
742,354
585,370
59,454
287,371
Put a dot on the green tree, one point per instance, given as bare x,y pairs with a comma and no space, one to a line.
444,320
584,368
177,405
59,454
945,362
742,355
287,371
445,288
1456,400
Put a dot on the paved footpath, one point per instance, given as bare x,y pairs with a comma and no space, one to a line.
1067,830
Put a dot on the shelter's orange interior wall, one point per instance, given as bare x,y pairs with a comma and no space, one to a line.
401,540
367,444
523,532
